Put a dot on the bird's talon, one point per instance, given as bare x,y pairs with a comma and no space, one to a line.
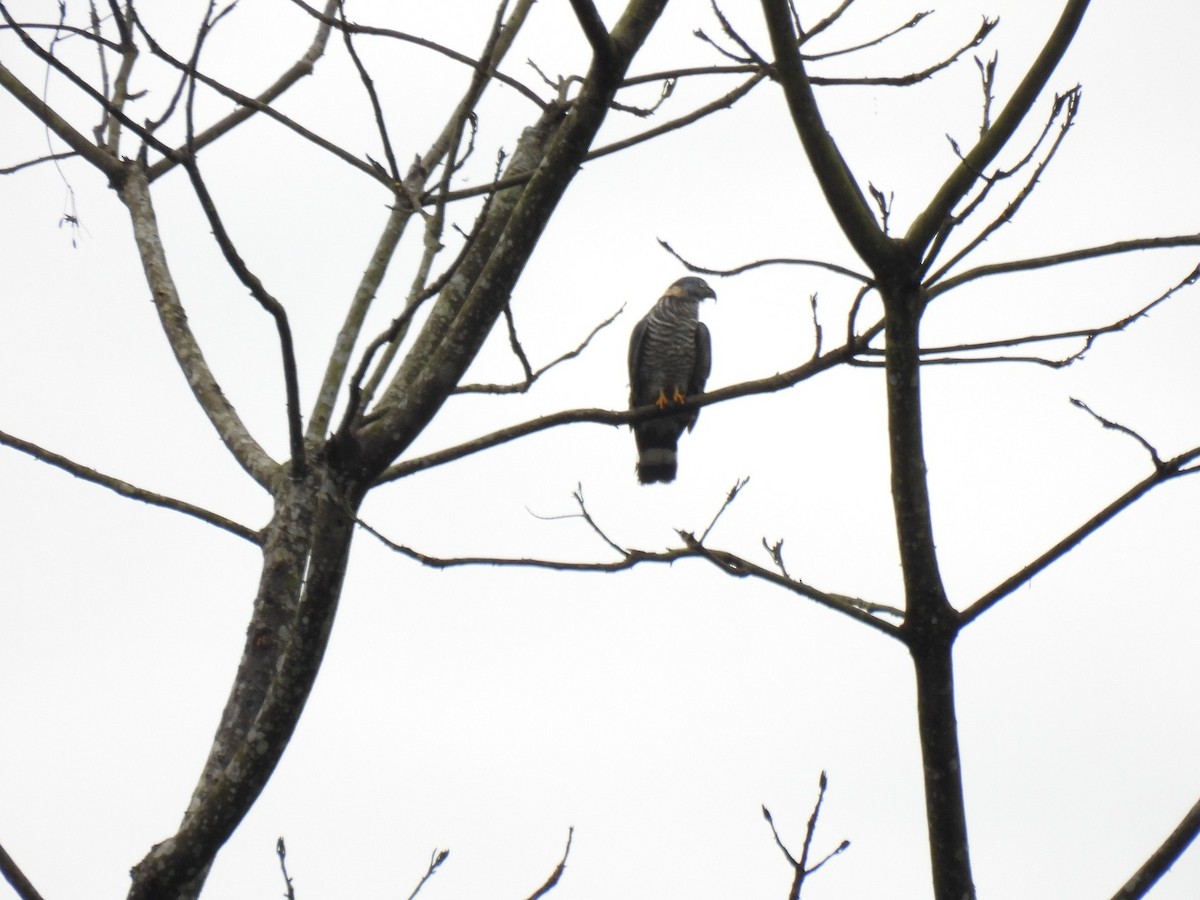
662,401
680,397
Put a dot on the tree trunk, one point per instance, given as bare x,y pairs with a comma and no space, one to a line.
305,551
930,623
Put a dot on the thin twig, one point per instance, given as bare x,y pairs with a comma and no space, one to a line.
759,263
1069,102
532,376
583,513
281,852
860,610
776,552
248,278
435,861
81,83
482,66
874,42
369,85
1124,429
800,867
51,158
552,881
729,498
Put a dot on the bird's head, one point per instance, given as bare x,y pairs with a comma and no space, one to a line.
691,288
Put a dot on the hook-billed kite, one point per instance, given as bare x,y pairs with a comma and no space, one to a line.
670,356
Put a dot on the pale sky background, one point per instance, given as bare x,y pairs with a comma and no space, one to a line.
488,710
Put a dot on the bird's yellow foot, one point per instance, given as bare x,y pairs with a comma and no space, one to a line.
662,401
680,397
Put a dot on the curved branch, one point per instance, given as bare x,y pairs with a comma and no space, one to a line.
730,563
838,184
478,65
1055,259
774,261
125,489
766,385
135,194
85,33
51,158
549,884
368,84
253,284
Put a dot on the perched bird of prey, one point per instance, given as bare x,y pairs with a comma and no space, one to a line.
670,356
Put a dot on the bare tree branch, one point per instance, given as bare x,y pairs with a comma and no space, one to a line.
950,354
56,123
553,880
369,85
480,66
101,159
729,498
1140,883
861,610
532,375
838,184
86,33
760,263
594,29
281,852
16,878
1167,470
1068,101
436,858
873,42
769,384
248,106
498,43
583,513
273,307
135,193
125,489
1042,262
51,158
1124,429
956,185
800,867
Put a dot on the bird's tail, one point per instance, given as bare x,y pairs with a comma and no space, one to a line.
656,464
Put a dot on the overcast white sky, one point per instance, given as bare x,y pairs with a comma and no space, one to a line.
487,710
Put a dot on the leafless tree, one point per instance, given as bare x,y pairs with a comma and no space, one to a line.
379,393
